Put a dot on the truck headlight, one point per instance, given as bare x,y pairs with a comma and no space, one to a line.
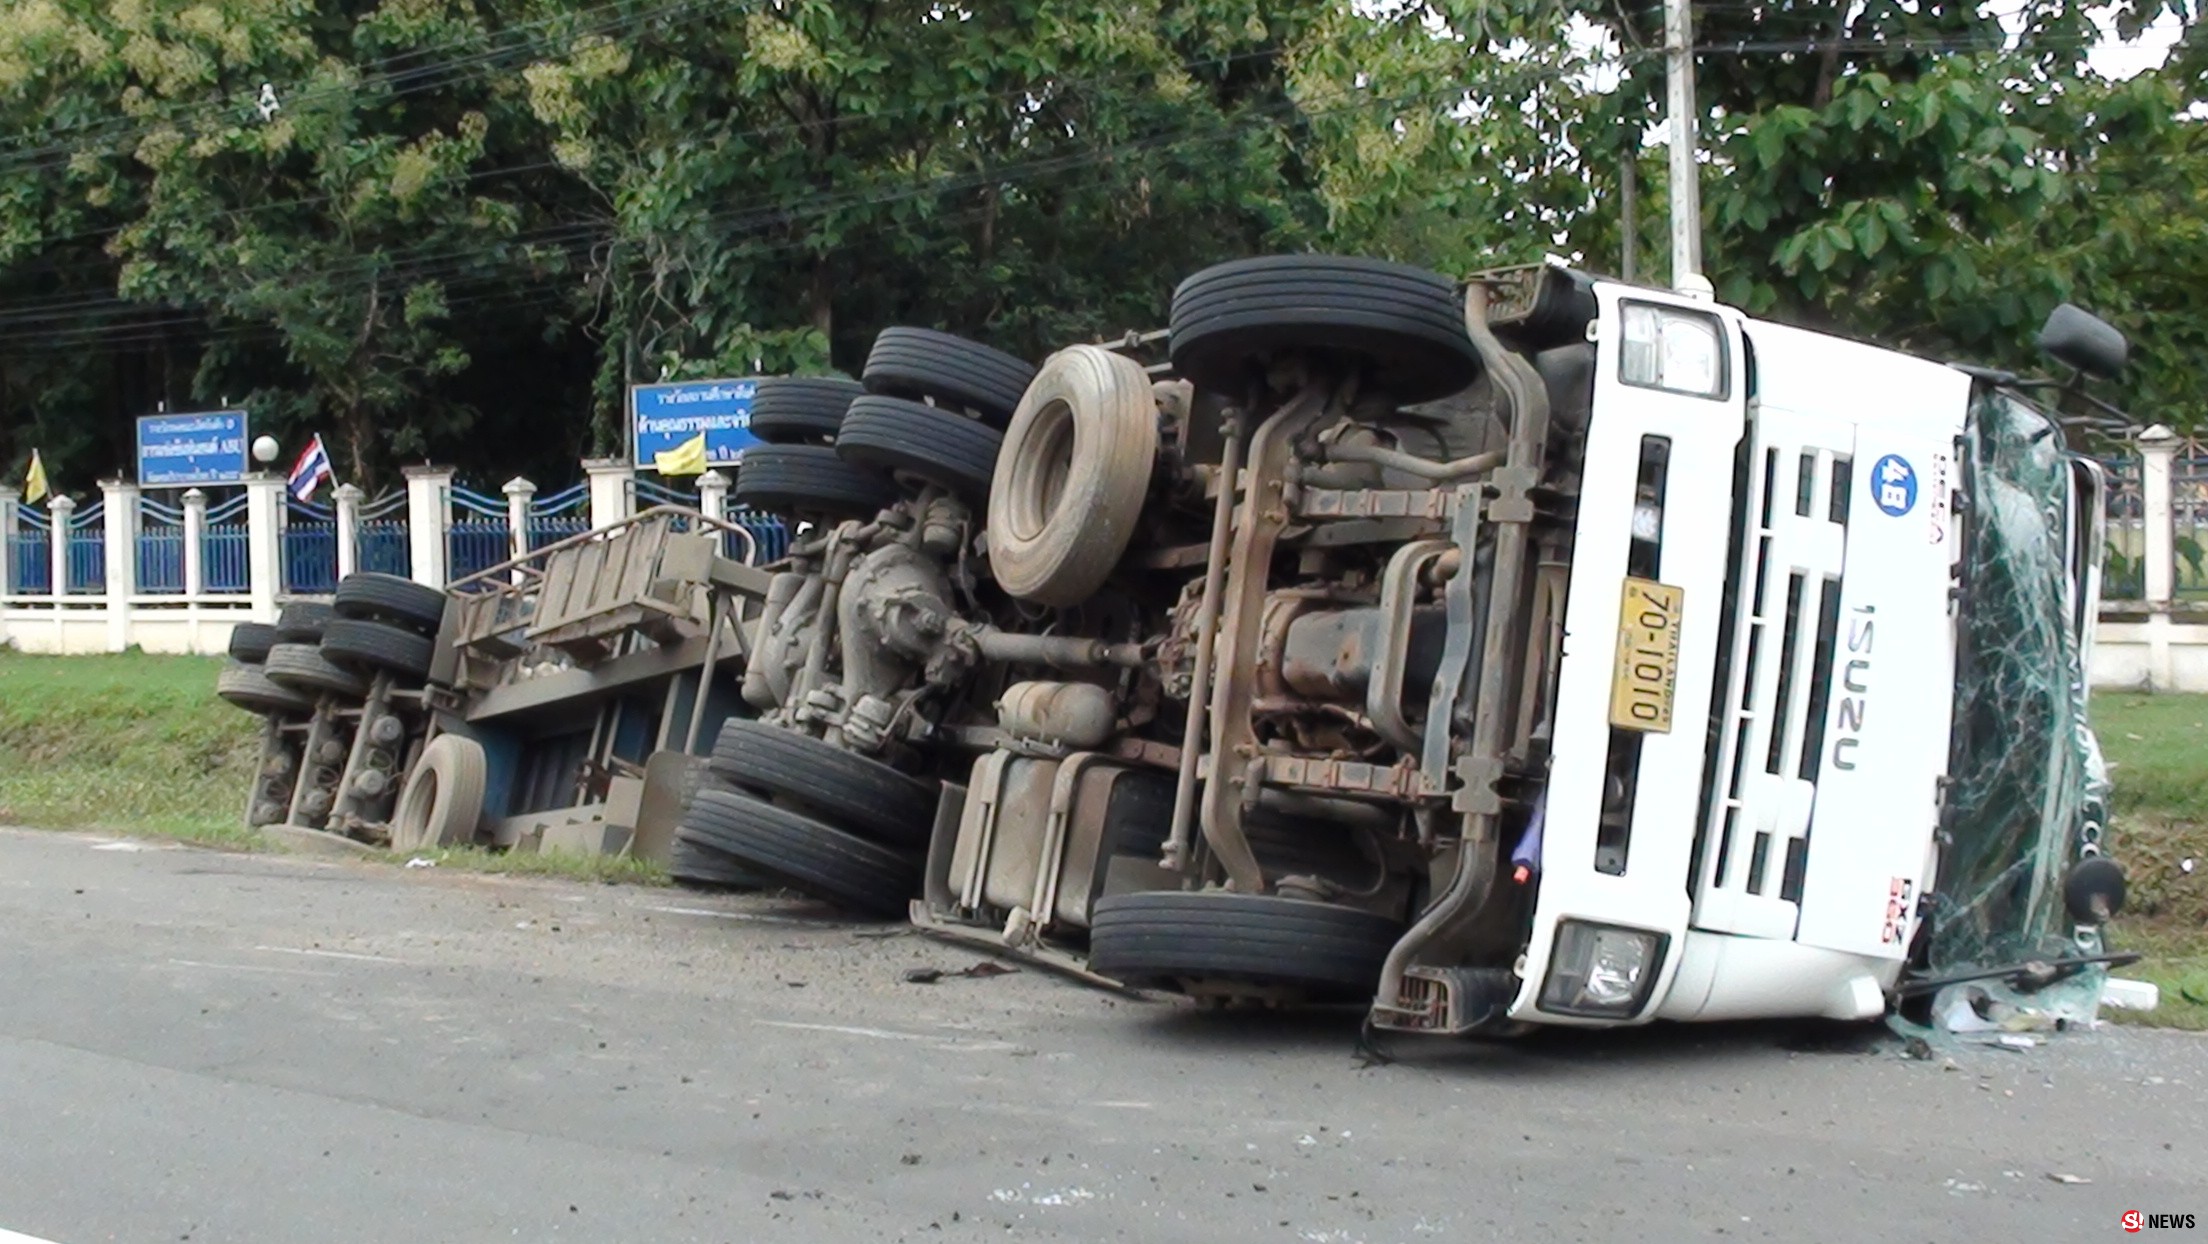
1673,350
1602,971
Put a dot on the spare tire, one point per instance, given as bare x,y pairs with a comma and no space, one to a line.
809,481
370,647
301,622
304,669
844,788
1168,938
389,598
248,687
801,410
1403,326
949,370
442,802
1072,477
250,642
802,853
926,442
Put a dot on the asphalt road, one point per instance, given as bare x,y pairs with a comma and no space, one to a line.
197,1046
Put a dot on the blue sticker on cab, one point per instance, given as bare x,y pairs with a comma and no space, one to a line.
1894,485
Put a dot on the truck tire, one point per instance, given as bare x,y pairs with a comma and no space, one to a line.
843,788
371,597
442,802
801,410
369,647
250,642
1164,938
950,370
248,687
1071,480
1404,325
803,854
692,863
301,622
304,669
809,481
933,444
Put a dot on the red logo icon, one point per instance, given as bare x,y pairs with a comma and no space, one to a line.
2134,1221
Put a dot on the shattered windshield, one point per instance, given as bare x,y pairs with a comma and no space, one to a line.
2024,765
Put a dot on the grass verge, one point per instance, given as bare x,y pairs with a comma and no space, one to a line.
2157,749
131,743
610,869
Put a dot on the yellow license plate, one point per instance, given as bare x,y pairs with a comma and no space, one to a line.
1648,656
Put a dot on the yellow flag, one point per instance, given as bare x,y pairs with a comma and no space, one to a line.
687,458
34,484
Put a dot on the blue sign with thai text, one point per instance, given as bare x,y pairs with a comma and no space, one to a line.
666,416
183,451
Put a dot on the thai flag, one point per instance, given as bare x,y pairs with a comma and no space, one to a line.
312,468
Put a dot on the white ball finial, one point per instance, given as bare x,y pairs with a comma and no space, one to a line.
265,449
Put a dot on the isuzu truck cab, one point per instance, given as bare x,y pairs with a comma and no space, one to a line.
1530,649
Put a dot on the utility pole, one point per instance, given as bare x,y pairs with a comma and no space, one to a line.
1686,187
1629,211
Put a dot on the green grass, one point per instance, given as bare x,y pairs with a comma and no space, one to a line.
2157,747
611,869
132,743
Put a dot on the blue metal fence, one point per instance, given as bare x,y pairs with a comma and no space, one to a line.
87,550
31,553
384,545
160,547
310,548
226,548
650,492
563,514
480,537
770,537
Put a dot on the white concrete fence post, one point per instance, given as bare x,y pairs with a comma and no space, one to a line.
2158,451
61,509
428,521
10,498
520,493
713,496
348,497
195,538
119,526
264,542
612,490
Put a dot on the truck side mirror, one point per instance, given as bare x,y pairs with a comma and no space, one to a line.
2085,341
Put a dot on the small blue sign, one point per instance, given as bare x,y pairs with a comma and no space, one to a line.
667,415
1894,485
184,451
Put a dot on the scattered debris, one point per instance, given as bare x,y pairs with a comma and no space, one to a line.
980,971
421,861
2060,1178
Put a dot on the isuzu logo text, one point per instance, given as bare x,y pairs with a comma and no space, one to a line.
1855,679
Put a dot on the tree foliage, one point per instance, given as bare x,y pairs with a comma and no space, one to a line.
461,228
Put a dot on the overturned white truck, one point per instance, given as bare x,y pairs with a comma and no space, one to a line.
1535,650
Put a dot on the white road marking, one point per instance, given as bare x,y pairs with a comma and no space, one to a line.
122,846
878,1034
14,1237
725,915
952,1045
239,967
329,954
